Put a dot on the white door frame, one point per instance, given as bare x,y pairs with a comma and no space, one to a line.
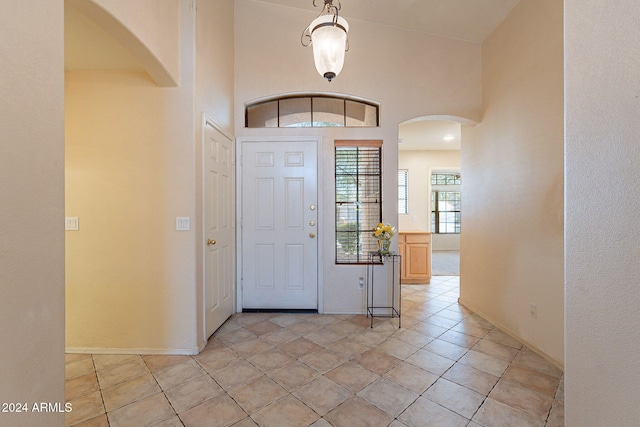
208,121
239,166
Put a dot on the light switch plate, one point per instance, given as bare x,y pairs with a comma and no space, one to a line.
71,223
183,223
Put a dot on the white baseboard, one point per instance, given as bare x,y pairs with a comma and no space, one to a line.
144,351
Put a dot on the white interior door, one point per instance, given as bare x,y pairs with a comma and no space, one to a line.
279,225
219,228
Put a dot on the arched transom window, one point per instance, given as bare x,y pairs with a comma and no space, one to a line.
311,111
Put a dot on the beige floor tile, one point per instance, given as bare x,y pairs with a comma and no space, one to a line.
236,374
412,337
530,360
411,377
500,351
522,398
429,330
286,320
471,378
556,416
171,422
286,412
220,411
74,357
457,338
122,372
247,422
323,360
159,362
263,327
84,408
369,338
193,392
299,347
273,364
215,360
483,362
348,348
270,360
472,329
537,381
78,368
321,423
79,386
346,327
446,349
178,374
397,348
455,397
130,391
322,395
251,347
104,361
443,322
496,335
99,421
257,393
236,336
324,337
431,362
352,376
324,320
388,396
247,319
279,337
496,414
426,413
294,375
303,327
356,412
145,412
377,361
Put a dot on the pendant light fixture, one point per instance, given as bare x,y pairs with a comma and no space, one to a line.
327,34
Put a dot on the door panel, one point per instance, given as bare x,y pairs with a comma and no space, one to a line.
279,217
219,226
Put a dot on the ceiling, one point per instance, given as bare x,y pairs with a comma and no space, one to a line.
88,47
470,20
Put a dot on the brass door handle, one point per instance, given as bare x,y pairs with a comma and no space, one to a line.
210,242
312,235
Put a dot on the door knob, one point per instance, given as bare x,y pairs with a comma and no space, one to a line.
210,242
312,235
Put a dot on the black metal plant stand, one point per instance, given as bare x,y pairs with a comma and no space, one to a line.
377,259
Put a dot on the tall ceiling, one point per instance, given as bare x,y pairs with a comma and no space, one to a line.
470,20
88,47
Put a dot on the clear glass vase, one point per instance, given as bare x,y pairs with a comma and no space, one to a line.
383,246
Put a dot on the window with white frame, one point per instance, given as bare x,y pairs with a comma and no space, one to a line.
445,202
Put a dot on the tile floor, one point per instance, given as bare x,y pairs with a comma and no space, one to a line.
445,367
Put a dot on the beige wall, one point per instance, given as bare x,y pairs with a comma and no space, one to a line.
214,98
603,199
419,165
512,244
31,208
445,80
132,166
148,28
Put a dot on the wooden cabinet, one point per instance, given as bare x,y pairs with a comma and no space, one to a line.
415,249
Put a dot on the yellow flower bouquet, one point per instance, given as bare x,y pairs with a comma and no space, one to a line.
384,232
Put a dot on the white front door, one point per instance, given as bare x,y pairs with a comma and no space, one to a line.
219,228
279,225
